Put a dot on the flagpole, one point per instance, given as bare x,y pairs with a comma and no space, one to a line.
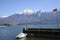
56,12
57,20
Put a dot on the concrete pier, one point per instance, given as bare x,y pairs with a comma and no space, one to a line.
42,32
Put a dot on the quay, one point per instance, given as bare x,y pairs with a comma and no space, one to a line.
42,32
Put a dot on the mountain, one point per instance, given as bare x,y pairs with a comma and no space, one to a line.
50,18
1,18
20,18
33,17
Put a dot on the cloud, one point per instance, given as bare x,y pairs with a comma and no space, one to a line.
26,11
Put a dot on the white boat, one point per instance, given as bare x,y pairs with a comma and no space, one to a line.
21,35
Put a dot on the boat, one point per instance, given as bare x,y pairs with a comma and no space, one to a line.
21,35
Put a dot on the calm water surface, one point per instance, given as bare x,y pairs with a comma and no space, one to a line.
10,32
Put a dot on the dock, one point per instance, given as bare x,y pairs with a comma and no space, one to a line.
42,32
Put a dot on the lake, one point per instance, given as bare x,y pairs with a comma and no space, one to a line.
10,32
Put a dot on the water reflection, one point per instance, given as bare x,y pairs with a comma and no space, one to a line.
22,38
37,38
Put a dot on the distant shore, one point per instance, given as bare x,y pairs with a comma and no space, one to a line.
28,24
7,24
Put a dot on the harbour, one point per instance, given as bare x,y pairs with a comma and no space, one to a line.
10,33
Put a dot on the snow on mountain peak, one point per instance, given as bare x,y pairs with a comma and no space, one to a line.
4,16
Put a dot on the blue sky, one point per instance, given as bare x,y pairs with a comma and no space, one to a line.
10,7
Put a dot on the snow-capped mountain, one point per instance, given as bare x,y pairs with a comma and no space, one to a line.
25,16
29,16
21,18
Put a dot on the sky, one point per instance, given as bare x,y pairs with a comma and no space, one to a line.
10,7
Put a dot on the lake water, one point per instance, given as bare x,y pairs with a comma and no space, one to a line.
10,32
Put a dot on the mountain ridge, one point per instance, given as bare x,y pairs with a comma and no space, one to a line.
37,17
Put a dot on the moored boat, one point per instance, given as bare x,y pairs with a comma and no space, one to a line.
21,35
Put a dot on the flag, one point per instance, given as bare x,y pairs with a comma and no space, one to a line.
54,9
